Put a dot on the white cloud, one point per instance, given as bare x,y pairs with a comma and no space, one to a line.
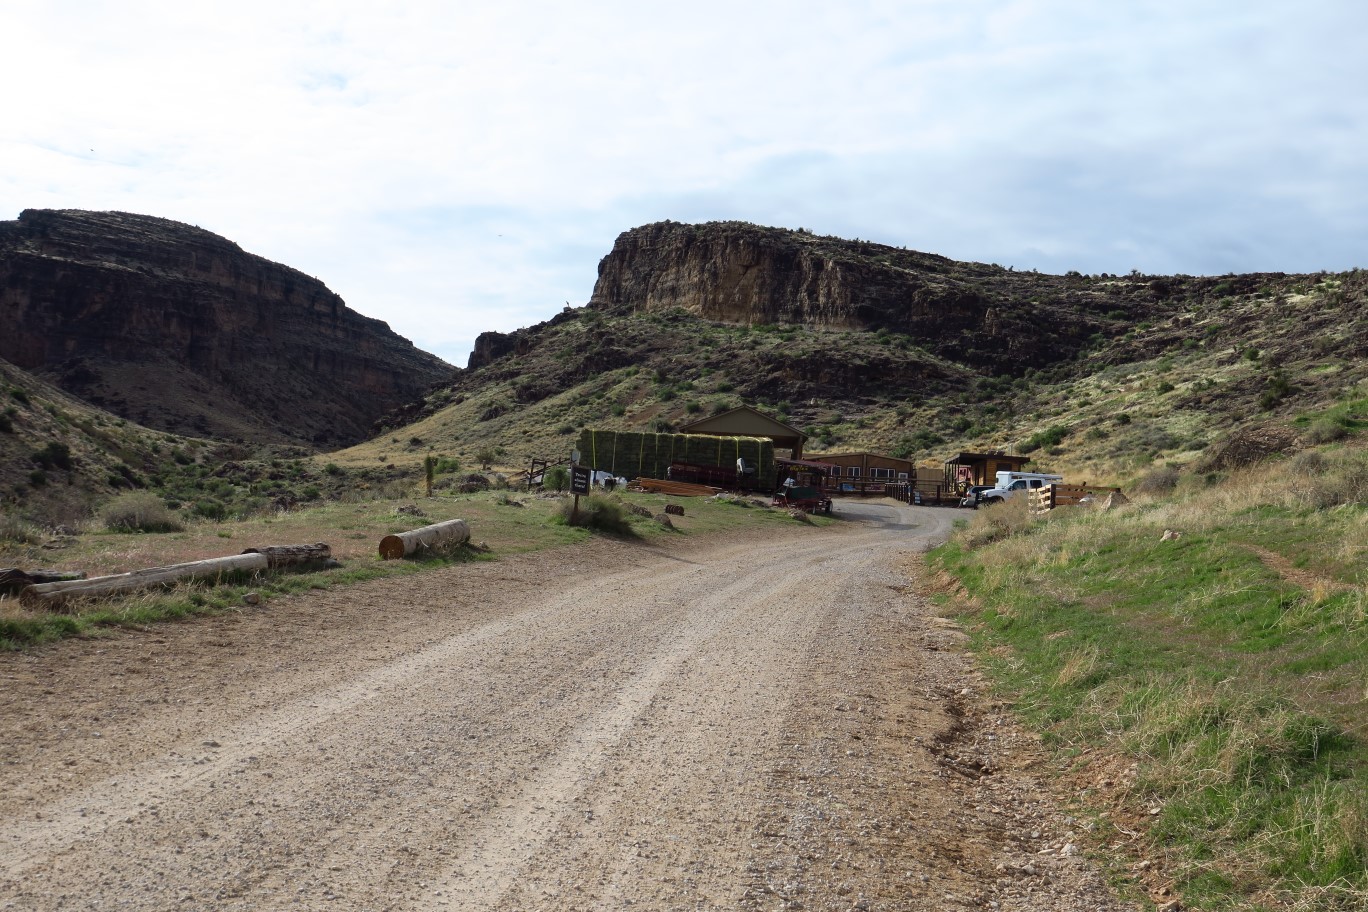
453,170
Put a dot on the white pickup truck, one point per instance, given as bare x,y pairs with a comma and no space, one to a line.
1009,483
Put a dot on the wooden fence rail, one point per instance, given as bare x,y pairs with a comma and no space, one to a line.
1042,500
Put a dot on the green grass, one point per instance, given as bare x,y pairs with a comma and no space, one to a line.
503,523
1236,684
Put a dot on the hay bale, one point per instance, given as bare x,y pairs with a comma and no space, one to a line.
637,455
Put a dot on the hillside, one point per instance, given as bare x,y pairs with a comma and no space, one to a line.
181,330
869,346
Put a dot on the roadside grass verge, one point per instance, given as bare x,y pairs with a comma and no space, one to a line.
502,523
1228,667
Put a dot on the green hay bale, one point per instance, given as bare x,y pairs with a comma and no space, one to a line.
644,455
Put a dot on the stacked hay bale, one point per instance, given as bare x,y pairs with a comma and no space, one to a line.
635,455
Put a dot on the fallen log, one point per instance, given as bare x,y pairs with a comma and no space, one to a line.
405,544
13,579
49,595
278,556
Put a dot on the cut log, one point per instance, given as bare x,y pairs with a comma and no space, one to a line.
278,556
13,579
49,595
405,544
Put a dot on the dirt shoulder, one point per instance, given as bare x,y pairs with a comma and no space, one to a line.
717,724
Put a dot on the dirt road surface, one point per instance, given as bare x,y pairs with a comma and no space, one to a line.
739,724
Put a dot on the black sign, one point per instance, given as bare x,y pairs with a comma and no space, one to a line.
579,479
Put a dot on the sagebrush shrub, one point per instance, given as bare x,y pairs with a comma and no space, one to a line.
139,511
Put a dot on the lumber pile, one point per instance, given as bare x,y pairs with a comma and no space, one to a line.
676,488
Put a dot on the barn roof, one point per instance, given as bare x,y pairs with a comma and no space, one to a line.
746,421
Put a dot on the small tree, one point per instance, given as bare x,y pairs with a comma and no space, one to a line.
556,478
429,469
489,454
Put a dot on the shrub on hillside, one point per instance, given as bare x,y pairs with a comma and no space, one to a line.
1050,437
17,530
1336,479
1325,430
556,478
139,511
1158,481
214,510
53,456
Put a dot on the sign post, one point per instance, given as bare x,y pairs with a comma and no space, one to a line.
579,484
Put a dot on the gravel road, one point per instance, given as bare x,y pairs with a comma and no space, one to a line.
725,724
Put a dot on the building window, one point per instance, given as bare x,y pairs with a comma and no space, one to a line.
880,473
902,476
852,471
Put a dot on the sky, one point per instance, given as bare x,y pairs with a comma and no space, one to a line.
457,167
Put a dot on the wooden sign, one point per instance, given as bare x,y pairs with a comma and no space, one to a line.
579,479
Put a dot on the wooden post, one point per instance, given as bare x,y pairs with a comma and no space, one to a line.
404,544
47,595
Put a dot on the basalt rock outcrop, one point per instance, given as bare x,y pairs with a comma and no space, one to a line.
181,330
980,315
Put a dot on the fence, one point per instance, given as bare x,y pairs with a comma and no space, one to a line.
925,492
1043,500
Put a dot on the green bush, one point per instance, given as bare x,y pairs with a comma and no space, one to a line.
557,478
210,509
53,456
597,512
1158,481
1050,437
139,511
1325,430
17,530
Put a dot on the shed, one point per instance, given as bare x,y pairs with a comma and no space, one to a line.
980,468
744,421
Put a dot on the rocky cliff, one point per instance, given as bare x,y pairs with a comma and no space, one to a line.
180,329
974,313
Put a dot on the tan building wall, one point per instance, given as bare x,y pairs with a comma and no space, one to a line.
870,466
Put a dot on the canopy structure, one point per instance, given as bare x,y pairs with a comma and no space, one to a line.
745,421
806,464
979,468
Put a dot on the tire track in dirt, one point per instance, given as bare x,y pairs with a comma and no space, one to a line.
764,722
